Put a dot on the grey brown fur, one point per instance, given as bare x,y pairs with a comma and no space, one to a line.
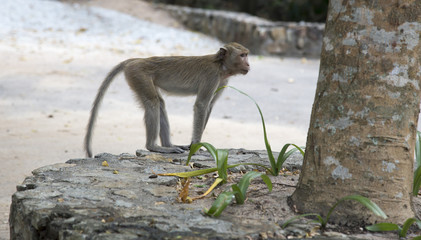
179,75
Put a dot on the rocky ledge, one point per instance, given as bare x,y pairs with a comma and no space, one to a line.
122,197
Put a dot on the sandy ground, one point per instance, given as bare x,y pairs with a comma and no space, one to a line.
47,86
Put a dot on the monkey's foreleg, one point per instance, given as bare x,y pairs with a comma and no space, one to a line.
199,121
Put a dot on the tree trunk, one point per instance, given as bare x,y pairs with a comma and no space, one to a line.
364,118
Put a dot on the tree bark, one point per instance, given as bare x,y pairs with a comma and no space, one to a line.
365,113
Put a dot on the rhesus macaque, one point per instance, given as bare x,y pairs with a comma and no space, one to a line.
179,75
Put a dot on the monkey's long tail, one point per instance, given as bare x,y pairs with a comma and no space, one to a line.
95,106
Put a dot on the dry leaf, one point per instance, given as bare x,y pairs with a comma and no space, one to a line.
184,193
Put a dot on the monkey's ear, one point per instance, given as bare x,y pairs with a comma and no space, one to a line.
221,53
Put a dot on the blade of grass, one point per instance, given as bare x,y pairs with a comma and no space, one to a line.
206,171
417,181
193,149
267,181
244,183
221,202
284,156
285,224
191,173
321,221
406,226
246,179
418,222
268,148
418,149
214,153
288,154
196,146
239,196
364,201
382,227
281,159
221,164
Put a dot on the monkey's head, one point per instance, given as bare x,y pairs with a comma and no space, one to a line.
234,58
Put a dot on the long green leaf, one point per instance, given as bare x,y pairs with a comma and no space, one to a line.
220,156
301,149
418,222
418,149
246,179
267,180
221,202
268,148
211,149
240,190
282,157
286,223
405,227
221,164
287,154
191,173
196,146
193,149
206,170
417,181
382,227
323,222
364,201
239,196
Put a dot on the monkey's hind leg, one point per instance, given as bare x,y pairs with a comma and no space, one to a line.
164,130
149,97
152,124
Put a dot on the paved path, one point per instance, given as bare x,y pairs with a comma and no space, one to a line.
54,57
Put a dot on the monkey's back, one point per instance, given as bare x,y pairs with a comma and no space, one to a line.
179,75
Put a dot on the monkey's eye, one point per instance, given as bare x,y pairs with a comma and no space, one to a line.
243,55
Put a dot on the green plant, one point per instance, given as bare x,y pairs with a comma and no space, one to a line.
239,193
240,190
402,231
323,221
219,155
282,157
417,174
221,159
417,181
221,202
276,166
418,149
